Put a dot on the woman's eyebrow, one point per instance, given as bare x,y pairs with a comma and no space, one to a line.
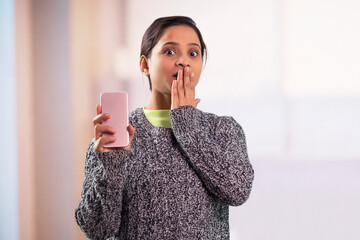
176,43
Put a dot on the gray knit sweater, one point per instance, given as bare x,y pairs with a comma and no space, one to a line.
174,183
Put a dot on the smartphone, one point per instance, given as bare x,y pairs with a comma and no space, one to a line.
116,104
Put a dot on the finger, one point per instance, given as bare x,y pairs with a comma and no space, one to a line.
100,129
98,119
131,130
98,109
192,86
96,145
180,84
106,140
196,102
99,144
174,95
187,87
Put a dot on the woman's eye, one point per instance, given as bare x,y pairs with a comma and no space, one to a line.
194,54
169,52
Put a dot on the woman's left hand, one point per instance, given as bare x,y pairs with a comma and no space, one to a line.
183,90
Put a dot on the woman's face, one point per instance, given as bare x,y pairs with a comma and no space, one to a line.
178,47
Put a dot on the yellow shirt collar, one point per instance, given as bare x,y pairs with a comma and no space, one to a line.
158,118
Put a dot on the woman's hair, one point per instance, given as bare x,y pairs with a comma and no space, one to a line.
157,28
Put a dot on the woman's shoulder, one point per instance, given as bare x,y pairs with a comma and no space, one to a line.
136,116
215,118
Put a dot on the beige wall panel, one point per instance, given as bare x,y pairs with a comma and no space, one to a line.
25,123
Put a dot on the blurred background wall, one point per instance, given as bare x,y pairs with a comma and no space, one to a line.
288,71
8,129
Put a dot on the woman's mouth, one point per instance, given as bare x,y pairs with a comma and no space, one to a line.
175,76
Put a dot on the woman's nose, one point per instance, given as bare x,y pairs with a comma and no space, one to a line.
181,61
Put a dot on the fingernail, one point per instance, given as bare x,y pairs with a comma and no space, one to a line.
187,69
192,75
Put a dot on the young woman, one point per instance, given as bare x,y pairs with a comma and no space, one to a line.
182,168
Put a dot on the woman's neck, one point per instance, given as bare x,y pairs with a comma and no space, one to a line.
159,101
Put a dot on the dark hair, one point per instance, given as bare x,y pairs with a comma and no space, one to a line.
157,28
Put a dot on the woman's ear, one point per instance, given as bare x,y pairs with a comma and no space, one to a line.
144,67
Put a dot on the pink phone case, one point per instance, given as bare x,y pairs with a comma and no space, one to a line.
116,104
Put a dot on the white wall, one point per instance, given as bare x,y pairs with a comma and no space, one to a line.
8,140
287,71
300,200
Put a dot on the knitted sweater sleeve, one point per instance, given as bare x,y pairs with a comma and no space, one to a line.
99,211
216,149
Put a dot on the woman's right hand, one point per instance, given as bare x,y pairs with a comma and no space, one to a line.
99,129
